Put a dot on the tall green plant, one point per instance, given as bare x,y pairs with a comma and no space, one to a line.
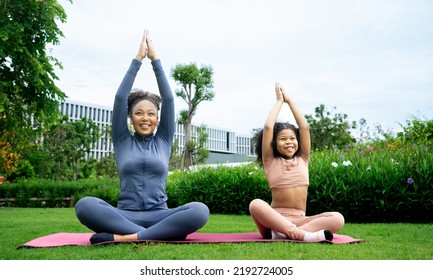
196,84
28,94
329,129
417,131
67,143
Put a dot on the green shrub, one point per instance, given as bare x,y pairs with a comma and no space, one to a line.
223,189
24,169
107,192
49,193
381,183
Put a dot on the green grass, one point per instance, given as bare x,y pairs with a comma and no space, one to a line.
384,241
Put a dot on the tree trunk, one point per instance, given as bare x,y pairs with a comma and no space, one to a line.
187,152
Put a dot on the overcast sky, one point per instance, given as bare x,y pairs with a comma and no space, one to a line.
370,59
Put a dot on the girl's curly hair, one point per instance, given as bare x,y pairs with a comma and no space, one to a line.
258,140
137,95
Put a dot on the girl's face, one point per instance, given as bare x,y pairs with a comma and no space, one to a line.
287,144
144,118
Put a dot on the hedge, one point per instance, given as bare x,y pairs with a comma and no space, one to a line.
365,184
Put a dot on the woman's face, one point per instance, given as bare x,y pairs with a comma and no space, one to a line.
144,118
287,144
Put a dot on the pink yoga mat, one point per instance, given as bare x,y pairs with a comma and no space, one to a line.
82,239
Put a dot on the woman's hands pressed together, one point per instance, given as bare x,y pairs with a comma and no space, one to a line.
146,48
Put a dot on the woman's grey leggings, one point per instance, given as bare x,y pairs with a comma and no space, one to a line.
158,223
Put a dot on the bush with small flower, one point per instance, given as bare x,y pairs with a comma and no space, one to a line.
374,183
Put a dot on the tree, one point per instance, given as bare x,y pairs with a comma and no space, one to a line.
28,95
417,131
8,158
175,161
106,167
196,86
200,153
68,143
329,129
196,145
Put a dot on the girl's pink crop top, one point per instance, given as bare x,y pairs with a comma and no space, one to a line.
286,173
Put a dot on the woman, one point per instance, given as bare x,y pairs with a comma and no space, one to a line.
142,161
284,153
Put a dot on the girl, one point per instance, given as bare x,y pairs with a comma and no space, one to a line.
284,153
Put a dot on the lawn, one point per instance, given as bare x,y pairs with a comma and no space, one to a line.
384,241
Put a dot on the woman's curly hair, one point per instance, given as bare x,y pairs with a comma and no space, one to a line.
258,140
137,95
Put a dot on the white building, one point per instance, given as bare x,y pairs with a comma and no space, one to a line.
224,145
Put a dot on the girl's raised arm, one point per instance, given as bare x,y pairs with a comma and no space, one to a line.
304,128
268,129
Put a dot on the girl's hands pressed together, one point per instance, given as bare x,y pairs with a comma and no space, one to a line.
279,92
